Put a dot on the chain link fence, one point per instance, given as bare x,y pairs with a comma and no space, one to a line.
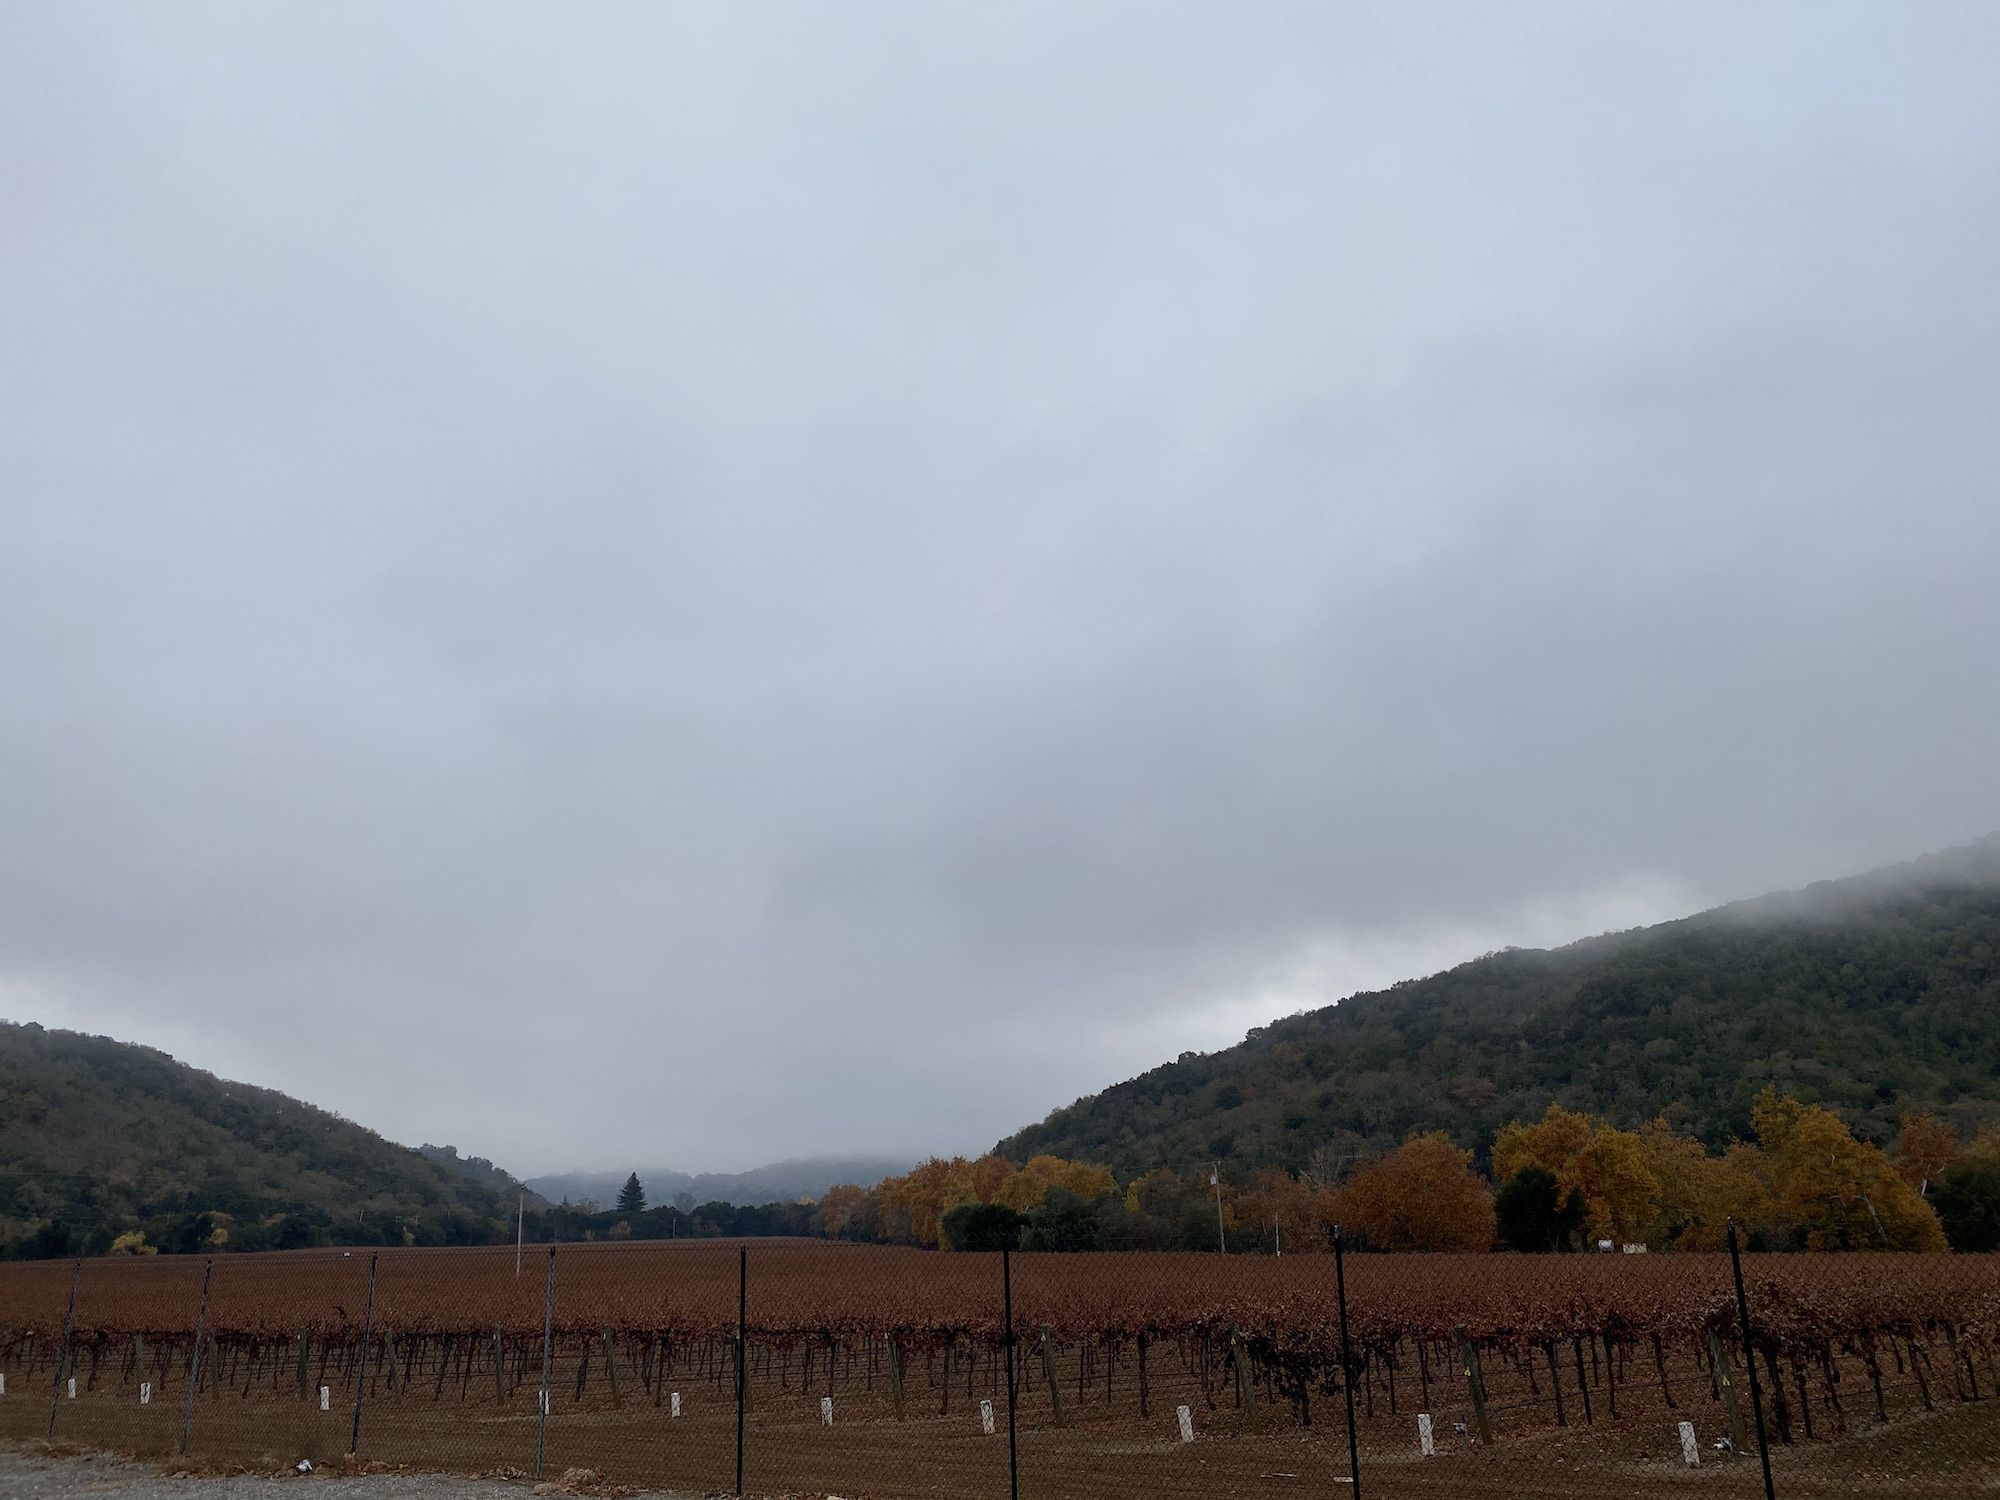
778,1367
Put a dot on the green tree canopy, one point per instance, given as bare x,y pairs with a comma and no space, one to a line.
1532,1216
1968,1203
981,1226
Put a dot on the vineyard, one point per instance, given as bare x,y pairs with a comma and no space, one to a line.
879,1370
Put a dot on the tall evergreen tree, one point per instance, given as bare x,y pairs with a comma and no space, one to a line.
632,1196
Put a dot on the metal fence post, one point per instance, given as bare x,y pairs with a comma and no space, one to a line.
62,1350
194,1359
1750,1360
361,1366
742,1374
1346,1363
548,1338
1007,1323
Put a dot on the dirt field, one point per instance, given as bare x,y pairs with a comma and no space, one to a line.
943,1450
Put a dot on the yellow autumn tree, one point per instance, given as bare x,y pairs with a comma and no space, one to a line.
912,1204
1608,1168
1029,1186
1086,1181
1834,1192
1623,1186
842,1208
1558,1143
1424,1195
1697,1194
1022,1192
959,1187
987,1174
892,1207
1985,1146
1926,1149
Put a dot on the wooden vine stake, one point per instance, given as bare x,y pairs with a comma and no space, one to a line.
1049,1371
610,1366
1725,1380
1475,1385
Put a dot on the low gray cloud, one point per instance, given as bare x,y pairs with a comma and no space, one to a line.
701,584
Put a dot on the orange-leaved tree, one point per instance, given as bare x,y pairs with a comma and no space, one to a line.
1276,1209
1424,1195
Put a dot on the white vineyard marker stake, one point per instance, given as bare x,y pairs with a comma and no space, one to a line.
72,1388
1425,1442
1187,1425
1690,1449
145,1393
325,1398
826,1410
3,1382
986,1417
674,1405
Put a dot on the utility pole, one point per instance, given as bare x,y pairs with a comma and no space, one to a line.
520,1229
1215,1181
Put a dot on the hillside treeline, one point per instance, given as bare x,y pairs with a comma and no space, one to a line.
100,1138
1562,1181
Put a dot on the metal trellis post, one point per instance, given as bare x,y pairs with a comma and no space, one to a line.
1750,1361
742,1374
194,1359
1346,1362
1007,1323
548,1338
62,1350
361,1367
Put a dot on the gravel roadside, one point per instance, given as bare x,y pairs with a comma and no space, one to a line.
31,1476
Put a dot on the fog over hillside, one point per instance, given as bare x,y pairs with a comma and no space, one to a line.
1877,996
779,1182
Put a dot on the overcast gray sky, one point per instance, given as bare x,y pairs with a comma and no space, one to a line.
691,584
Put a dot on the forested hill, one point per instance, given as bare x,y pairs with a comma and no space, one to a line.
1872,995
99,1137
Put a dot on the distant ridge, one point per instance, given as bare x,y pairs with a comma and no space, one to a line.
1875,995
779,1182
